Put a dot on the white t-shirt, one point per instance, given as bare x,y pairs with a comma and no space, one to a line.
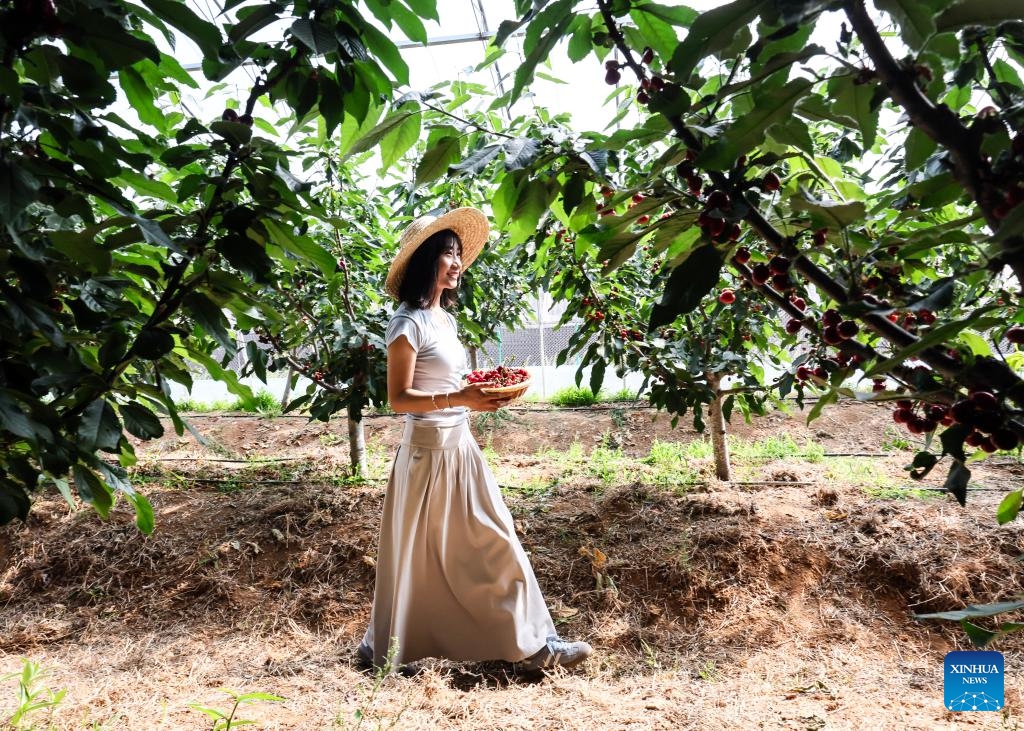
441,359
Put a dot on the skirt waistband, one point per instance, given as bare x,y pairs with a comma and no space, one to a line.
436,437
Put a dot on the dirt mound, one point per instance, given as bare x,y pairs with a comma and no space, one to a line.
687,592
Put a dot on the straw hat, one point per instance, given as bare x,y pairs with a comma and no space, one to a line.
469,224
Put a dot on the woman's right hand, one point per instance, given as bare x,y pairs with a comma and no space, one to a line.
473,397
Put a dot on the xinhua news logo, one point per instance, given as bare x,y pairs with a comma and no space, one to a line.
974,681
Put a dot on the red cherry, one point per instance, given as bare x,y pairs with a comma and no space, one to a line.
793,326
779,264
831,335
719,199
643,219
902,416
1005,439
799,303
760,273
1015,335
985,400
727,297
847,329
771,182
830,317
743,256
819,237
648,55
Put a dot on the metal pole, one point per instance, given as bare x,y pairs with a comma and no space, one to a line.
543,358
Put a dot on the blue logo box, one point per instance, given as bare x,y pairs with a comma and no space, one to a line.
973,681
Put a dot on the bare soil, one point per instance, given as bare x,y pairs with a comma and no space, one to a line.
783,600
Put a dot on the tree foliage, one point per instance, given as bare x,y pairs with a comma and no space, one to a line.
863,191
136,242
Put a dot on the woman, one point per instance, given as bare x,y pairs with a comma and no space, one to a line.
453,580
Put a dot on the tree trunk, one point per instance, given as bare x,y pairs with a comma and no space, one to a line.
287,388
472,358
356,441
716,424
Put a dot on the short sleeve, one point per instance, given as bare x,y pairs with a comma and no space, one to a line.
401,325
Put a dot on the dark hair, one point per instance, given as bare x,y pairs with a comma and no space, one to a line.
420,279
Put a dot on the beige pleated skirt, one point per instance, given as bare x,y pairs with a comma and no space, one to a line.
453,581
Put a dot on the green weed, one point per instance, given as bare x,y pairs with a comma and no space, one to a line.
225,721
572,396
31,696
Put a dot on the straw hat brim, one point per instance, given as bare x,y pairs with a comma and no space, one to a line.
469,224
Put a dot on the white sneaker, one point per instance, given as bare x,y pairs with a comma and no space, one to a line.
556,652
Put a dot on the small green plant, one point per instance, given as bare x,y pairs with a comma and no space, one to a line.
379,675
205,407
226,721
573,396
894,441
618,418
708,672
623,394
31,696
264,402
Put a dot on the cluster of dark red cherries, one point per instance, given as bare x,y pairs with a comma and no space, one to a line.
979,412
498,377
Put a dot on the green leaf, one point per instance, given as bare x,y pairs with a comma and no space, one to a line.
688,284
985,12
679,15
398,141
437,159
770,106
824,400
140,421
974,611
315,35
581,40
597,375
828,213
384,49
924,462
520,152
659,35
409,22
956,481
936,336
92,490
146,186
140,96
915,18
979,636
1009,507
370,139
855,100
253,19
153,343
98,427
178,14
211,319
712,31
145,520
477,161
304,247
556,19
235,133
919,148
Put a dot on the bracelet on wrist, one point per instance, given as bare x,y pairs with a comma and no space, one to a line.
448,398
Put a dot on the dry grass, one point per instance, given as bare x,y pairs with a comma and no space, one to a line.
776,607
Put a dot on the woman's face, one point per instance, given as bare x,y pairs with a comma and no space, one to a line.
449,268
